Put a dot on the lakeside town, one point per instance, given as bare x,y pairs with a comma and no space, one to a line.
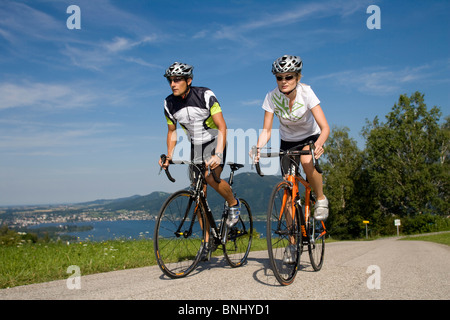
129,208
26,216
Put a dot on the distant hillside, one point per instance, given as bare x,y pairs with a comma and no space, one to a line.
248,185
150,203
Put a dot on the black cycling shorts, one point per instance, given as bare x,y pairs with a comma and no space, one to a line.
202,153
286,145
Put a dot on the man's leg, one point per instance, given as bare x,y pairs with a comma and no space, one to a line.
223,188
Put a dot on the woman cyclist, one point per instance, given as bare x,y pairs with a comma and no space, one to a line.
301,120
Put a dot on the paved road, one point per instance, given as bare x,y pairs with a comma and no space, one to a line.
407,269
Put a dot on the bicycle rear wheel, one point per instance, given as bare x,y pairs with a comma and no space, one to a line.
179,237
316,246
283,236
239,239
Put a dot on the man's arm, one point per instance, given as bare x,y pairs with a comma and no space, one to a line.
171,143
218,119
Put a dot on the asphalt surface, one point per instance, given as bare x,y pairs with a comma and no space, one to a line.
403,270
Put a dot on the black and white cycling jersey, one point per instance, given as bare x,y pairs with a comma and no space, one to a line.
194,113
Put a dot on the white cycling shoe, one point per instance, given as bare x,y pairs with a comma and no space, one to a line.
321,209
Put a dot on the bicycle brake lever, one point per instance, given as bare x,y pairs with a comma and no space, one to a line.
254,151
315,161
163,160
166,170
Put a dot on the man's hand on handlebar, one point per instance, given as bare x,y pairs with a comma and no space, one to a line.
164,161
213,162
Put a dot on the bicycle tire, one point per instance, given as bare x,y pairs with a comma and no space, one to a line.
316,245
280,234
178,250
239,237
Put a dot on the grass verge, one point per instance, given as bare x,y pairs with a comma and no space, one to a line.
443,238
34,263
41,262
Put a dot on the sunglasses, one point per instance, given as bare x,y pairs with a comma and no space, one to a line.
176,79
287,78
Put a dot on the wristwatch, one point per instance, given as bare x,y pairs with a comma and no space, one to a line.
220,155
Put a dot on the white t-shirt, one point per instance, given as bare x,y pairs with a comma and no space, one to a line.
299,123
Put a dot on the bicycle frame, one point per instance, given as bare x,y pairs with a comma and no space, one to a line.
218,232
186,232
293,179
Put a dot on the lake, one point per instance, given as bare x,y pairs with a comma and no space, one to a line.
124,229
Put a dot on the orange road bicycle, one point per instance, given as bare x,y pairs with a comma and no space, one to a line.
179,236
290,221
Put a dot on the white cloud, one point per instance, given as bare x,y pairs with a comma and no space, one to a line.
60,139
95,56
285,16
121,44
20,19
253,102
143,63
42,95
384,80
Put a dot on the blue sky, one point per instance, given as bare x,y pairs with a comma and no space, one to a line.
81,110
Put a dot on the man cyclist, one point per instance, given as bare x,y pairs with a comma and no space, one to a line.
198,112
301,120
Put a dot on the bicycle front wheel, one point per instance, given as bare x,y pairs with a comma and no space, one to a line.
316,246
283,236
179,234
239,237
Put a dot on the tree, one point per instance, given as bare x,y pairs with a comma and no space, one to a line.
407,159
342,171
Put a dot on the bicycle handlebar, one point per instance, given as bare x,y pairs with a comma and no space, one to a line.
166,170
164,158
289,152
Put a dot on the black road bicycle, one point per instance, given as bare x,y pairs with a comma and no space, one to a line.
179,237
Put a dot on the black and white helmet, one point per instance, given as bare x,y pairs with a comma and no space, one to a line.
179,69
287,63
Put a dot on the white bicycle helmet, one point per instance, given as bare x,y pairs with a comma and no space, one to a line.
287,63
179,69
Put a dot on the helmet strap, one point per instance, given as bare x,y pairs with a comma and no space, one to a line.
290,92
184,95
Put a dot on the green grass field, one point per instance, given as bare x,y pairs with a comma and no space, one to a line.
33,263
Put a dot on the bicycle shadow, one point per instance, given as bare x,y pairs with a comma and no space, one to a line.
263,275
213,263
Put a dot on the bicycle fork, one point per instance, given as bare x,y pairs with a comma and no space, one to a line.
186,233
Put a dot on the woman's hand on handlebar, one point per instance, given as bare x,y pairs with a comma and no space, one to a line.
318,149
255,154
